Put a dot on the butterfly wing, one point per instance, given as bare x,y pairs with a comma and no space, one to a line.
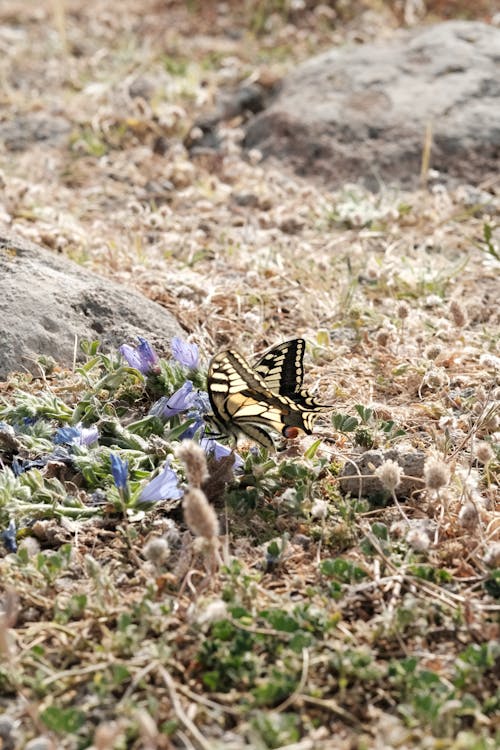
242,401
282,370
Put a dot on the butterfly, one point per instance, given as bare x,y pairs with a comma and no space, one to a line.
269,395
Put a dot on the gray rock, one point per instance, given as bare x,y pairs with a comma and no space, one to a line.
361,113
46,301
20,133
358,478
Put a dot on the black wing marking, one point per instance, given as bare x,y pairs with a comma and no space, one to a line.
282,371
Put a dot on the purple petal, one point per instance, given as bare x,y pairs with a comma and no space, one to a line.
143,357
8,537
89,435
119,469
76,435
131,355
169,406
192,429
185,354
67,436
163,487
219,451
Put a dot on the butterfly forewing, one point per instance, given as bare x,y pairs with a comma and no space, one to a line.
282,367
282,370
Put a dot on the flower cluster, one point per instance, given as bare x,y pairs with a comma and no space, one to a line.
93,440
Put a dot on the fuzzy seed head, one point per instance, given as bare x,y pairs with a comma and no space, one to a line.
433,351
436,378
436,474
215,611
199,514
382,337
193,457
31,545
491,423
484,453
319,509
490,361
418,540
156,550
447,422
389,474
491,557
403,311
458,314
468,517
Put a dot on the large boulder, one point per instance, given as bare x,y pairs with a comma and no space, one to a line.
47,302
361,113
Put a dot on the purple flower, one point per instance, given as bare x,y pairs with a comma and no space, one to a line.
185,354
201,403
200,406
169,406
163,487
192,429
143,357
76,435
8,537
219,451
119,469
89,435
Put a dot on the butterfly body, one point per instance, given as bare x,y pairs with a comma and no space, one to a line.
247,399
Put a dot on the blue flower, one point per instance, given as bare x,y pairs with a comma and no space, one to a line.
194,427
89,435
119,469
169,406
163,487
200,406
219,451
201,403
185,354
19,466
8,537
76,435
67,436
143,357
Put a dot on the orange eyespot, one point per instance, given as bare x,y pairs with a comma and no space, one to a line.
291,432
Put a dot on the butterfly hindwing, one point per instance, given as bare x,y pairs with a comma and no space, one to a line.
246,399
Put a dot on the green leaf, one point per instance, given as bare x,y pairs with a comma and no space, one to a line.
380,530
492,584
299,641
429,573
343,570
280,620
311,451
63,720
274,550
344,423
212,680
364,412
490,247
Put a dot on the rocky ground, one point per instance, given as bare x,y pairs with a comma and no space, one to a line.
329,621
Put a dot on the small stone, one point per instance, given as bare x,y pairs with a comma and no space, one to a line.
412,467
